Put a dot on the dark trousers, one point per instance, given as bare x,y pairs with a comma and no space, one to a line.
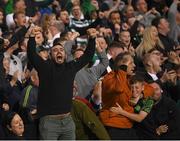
121,133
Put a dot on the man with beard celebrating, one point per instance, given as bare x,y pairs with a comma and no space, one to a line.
56,78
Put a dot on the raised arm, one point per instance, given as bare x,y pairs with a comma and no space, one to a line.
101,67
104,62
33,57
89,52
172,13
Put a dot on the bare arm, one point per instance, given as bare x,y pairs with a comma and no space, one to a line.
136,117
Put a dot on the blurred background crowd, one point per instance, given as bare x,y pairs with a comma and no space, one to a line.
130,89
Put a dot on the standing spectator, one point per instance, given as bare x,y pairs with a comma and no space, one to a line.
64,17
148,16
160,5
174,20
28,105
19,5
55,28
3,26
115,23
52,74
118,127
113,50
125,38
86,78
163,28
150,41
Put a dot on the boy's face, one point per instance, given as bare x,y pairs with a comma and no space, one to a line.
137,89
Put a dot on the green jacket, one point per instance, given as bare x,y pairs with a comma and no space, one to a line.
87,123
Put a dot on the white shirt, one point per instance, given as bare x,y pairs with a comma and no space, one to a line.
15,65
109,68
154,76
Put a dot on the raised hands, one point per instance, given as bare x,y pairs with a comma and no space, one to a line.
174,58
72,36
5,107
36,32
92,32
170,76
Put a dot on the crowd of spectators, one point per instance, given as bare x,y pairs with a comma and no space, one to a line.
89,69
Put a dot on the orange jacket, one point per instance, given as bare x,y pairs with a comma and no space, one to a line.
115,88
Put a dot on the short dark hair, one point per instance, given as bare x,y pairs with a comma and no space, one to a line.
114,12
15,15
77,49
155,22
8,118
121,58
56,41
116,44
135,79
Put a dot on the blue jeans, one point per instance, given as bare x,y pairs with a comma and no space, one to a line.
57,129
